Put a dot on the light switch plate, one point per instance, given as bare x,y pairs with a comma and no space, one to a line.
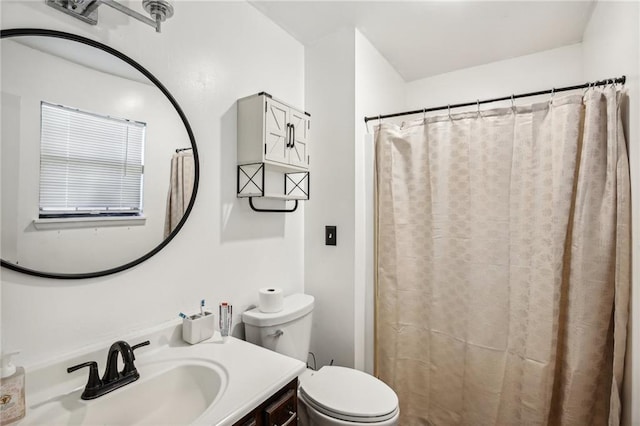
330,237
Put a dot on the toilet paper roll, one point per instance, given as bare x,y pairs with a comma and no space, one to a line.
270,299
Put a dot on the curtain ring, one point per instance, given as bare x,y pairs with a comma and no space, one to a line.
379,120
424,115
553,92
449,112
478,106
366,123
513,104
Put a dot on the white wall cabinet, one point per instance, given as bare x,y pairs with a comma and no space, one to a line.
272,132
273,150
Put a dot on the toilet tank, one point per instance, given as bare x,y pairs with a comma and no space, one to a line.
287,332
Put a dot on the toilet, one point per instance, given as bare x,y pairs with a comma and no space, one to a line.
332,395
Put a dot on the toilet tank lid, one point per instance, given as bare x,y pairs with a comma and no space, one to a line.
294,307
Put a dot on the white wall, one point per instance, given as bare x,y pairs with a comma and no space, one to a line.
347,78
611,47
329,270
540,71
379,89
208,55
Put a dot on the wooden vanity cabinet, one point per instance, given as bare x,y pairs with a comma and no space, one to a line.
281,409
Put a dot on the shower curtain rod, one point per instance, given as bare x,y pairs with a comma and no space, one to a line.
620,80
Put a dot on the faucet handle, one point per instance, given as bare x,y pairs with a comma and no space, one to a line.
139,345
94,379
129,368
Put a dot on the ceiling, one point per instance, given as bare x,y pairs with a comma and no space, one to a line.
82,54
425,38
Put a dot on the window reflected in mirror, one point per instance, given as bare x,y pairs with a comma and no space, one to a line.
90,164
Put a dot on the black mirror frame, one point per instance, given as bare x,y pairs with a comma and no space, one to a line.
19,32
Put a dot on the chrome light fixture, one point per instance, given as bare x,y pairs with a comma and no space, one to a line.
87,10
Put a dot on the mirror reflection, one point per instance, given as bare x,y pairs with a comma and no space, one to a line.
97,165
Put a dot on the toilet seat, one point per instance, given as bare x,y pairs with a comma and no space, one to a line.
349,395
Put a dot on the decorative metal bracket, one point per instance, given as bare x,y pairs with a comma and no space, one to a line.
294,184
251,180
251,184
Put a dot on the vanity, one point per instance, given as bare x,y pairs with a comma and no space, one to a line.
221,381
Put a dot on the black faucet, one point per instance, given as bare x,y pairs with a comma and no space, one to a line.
112,378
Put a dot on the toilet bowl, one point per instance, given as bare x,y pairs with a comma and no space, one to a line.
344,396
332,395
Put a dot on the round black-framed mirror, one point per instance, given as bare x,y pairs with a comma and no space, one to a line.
37,32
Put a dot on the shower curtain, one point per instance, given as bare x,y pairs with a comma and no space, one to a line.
503,263
180,189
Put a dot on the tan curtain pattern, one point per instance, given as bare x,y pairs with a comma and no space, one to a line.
180,189
503,244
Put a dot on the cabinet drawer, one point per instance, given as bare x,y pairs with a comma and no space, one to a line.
281,409
250,422
282,412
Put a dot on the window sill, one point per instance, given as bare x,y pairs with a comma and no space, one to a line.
87,222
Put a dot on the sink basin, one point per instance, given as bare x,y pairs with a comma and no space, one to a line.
216,382
165,394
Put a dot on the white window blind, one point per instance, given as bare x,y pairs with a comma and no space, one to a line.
89,164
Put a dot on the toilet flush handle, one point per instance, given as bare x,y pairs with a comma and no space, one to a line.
276,333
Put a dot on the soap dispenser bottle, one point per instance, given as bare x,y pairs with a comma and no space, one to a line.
12,404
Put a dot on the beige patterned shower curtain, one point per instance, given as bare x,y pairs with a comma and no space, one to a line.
502,248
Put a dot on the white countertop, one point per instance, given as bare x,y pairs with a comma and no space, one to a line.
250,373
